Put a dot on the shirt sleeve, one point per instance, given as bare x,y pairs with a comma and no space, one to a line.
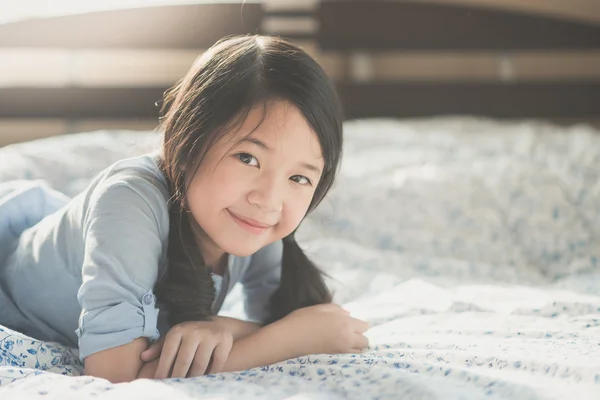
124,232
262,280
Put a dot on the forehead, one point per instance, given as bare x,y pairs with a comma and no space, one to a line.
282,127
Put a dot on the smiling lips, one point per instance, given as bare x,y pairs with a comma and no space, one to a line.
248,224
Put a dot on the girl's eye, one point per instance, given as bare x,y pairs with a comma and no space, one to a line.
247,159
302,180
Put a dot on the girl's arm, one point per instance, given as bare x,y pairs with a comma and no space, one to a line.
118,364
125,226
272,344
320,329
314,330
268,345
238,328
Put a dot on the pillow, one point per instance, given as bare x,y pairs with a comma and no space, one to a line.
69,162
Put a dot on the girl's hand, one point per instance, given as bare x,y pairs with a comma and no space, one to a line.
191,349
328,329
238,329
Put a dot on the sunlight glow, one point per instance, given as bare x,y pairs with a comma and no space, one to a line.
16,10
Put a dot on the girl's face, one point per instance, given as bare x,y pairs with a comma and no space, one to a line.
256,184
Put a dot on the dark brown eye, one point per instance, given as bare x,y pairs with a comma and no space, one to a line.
248,159
302,180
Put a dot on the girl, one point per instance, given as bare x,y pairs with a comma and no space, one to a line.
252,141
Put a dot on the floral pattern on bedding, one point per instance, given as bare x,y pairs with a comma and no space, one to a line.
20,351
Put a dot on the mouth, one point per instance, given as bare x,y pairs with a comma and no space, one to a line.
248,224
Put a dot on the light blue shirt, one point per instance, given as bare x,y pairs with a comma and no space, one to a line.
84,274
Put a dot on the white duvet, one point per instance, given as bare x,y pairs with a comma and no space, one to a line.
472,247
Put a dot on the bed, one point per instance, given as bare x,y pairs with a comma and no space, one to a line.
469,242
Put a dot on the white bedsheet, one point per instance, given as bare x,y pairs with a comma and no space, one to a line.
472,247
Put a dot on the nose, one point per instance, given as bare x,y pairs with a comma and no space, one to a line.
267,194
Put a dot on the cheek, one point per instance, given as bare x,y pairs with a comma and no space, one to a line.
205,198
219,186
197,204
228,187
296,209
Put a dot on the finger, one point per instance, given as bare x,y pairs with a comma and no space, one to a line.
219,357
152,352
360,326
358,351
362,342
331,307
185,357
201,359
328,307
167,356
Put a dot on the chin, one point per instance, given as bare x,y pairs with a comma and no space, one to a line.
244,247
245,253
242,251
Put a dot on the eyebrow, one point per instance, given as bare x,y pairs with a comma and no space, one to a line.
262,145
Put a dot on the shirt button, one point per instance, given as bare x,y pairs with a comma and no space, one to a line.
148,299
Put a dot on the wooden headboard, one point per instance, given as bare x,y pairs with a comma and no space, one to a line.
139,32
364,30
400,58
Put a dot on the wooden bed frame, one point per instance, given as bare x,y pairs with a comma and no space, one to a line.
354,33
429,26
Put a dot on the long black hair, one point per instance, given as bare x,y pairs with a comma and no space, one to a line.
217,93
